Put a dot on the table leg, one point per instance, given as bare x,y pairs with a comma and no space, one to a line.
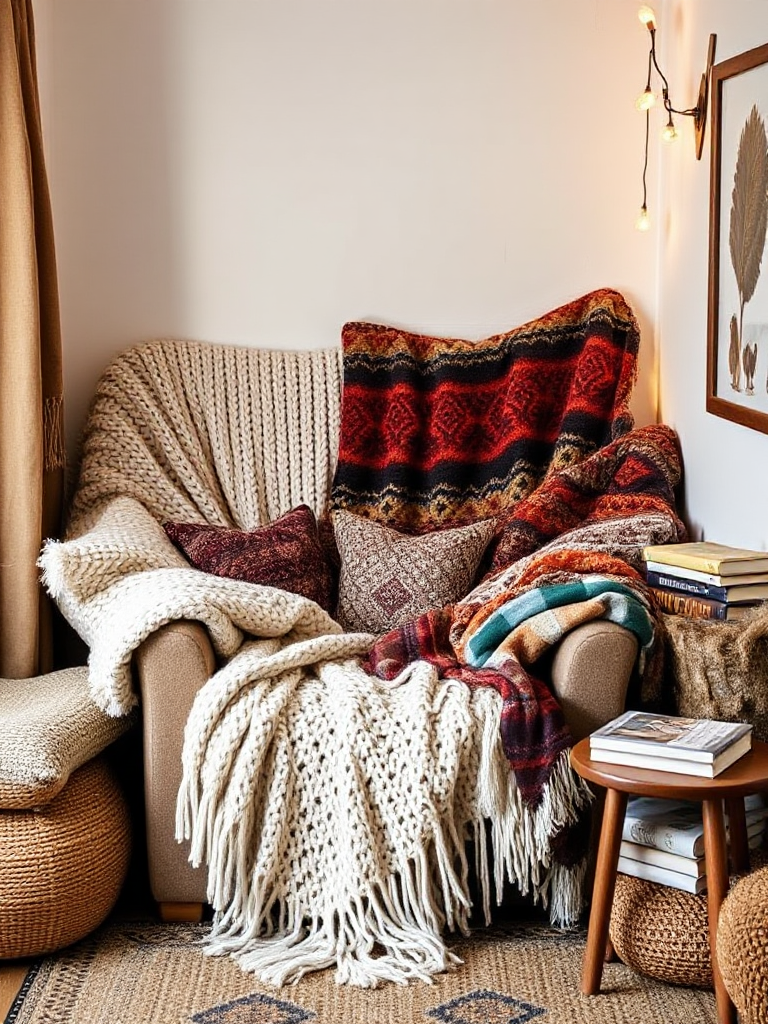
716,859
737,824
602,893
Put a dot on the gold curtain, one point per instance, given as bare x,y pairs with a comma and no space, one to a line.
31,445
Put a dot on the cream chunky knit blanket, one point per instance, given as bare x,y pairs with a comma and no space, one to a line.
334,810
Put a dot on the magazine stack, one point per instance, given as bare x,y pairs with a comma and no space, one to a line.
703,579
663,840
667,743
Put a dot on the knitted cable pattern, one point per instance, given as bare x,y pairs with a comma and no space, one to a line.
332,808
211,433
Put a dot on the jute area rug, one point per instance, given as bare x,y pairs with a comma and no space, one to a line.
136,973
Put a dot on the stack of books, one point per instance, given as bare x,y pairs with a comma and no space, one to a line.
668,743
706,580
663,840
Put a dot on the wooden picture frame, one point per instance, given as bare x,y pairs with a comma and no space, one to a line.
737,324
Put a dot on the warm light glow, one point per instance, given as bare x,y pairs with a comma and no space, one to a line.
643,223
646,15
646,99
669,134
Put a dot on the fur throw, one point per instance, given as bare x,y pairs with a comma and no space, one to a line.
720,669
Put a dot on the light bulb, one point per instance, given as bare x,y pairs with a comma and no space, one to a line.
646,15
646,99
669,133
643,222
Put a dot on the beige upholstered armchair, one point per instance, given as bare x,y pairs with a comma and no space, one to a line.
249,435
291,402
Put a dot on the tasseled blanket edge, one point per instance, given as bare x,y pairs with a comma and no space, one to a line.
395,931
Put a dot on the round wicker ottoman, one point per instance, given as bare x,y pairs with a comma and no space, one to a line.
742,946
62,866
661,932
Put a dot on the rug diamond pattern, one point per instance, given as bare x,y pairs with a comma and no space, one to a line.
254,1007
486,1007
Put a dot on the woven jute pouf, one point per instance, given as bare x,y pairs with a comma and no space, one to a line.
742,946
661,932
62,866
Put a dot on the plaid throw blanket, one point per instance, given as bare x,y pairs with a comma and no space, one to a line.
588,520
438,432
528,624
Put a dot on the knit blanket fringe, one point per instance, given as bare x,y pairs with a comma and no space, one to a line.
373,901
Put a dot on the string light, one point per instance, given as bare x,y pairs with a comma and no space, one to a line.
669,132
643,221
648,98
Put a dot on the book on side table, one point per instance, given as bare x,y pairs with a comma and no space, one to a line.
663,840
668,743
731,589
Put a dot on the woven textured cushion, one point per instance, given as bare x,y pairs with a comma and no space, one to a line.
742,946
387,577
50,727
661,932
664,932
286,553
62,867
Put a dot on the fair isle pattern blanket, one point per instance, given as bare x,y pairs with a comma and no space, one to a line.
439,432
291,738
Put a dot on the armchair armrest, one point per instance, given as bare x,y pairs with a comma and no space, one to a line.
591,669
172,665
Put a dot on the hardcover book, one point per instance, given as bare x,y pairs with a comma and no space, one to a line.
676,765
669,736
694,865
708,556
747,589
652,873
696,607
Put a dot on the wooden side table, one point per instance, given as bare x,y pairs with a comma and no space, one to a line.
748,775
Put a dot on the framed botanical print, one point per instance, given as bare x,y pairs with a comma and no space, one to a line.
737,328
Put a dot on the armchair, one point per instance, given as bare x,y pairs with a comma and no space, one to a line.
292,400
285,733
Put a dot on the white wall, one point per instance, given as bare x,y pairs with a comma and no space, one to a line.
260,171
726,484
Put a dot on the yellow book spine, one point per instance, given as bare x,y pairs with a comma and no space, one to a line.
685,560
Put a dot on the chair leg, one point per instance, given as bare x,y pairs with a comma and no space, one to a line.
180,913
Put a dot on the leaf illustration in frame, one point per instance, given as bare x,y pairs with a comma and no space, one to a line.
749,209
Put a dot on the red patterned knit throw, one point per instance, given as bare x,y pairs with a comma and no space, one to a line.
441,432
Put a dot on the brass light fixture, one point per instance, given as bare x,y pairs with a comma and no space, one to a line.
647,100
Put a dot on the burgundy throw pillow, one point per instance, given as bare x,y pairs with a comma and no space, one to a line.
286,553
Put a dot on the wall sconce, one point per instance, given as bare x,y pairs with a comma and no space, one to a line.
647,99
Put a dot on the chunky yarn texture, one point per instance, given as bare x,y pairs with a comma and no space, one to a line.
334,810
